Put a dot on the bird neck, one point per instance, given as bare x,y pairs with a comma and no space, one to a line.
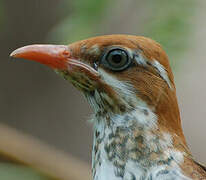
167,111
133,140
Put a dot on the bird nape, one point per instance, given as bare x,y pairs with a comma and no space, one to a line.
128,82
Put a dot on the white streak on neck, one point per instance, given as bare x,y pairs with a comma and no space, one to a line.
162,72
123,89
140,60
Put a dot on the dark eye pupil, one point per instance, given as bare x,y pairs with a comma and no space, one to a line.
116,58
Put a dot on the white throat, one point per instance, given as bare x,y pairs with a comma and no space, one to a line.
130,147
128,144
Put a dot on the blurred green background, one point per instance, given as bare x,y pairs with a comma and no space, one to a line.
17,172
36,101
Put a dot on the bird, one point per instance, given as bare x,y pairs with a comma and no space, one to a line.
129,84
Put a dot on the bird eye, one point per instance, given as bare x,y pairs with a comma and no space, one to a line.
116,59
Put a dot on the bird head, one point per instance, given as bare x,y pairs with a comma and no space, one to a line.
116,73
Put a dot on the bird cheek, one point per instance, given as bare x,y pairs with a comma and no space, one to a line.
82,77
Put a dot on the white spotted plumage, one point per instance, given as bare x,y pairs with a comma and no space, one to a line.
142,118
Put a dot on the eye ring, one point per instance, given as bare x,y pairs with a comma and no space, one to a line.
116,59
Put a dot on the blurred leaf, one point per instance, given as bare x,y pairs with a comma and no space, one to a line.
18,172
83,21
169,24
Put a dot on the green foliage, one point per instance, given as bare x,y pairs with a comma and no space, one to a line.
18,172
90,9
169,24
82,22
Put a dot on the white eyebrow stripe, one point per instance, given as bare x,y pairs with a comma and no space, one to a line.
162,72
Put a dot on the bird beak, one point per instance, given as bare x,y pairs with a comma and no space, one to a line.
54,56
57,57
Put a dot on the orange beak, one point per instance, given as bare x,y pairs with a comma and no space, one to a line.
55,56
